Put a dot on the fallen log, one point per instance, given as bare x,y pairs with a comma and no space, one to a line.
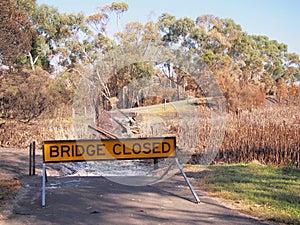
103,132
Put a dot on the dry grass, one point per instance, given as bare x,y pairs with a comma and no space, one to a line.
268,135
20,135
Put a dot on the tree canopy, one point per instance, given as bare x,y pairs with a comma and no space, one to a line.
40,37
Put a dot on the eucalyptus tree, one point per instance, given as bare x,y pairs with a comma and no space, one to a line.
99,22
61,35
221,44
134,41
16,33
278,63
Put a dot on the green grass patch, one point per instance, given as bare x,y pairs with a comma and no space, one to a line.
266,191
160,110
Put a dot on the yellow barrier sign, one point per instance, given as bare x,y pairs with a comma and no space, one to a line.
108,149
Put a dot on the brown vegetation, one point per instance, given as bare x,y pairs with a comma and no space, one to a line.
16,33
268,135
14,133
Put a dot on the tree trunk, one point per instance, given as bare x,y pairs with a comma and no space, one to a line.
32,62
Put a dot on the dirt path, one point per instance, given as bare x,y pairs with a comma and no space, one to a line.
14,163
97,200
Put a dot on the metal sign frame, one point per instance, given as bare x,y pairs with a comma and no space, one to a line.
158,149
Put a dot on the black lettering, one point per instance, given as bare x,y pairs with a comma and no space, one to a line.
155,147
65,149
147,146
90,152
124,150
72,151
136,150
100,149
114,149
54,151
79,150
166,149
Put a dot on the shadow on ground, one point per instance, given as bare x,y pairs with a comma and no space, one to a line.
97,200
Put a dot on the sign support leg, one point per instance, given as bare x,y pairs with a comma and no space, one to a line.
187,180
44,186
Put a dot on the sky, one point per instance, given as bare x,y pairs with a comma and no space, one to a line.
277,19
